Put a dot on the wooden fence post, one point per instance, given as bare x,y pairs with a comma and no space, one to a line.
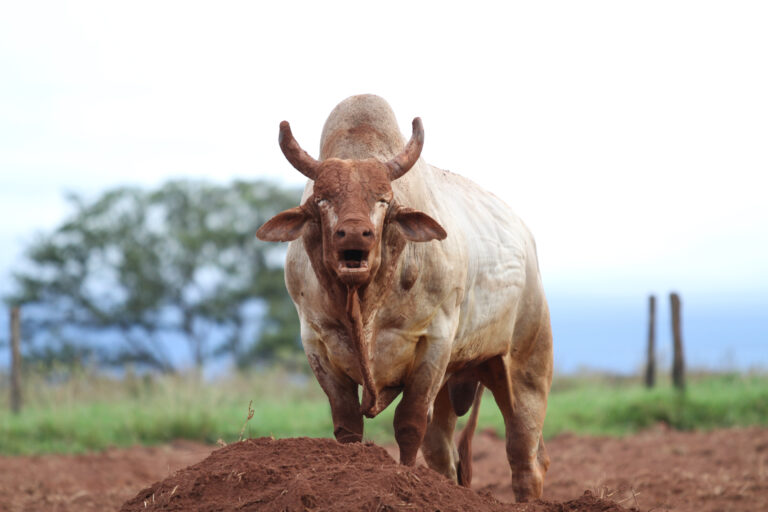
650,365
678,362
15,361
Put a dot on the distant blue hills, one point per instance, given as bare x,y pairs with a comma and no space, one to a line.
608,334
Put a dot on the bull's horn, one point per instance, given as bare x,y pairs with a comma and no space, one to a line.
403,162
298,158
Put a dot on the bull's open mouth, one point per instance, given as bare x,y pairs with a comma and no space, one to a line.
353,261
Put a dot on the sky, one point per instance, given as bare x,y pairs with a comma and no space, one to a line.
632,137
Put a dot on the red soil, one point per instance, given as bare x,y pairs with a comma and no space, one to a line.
656,470
315,474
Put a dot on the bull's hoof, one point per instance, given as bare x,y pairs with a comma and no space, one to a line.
527,485
345,436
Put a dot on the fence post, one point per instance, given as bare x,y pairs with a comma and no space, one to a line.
15,361
678,363
650,365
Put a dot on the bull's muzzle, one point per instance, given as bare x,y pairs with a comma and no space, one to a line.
354,241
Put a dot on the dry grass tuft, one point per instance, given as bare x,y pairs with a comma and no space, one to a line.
250,415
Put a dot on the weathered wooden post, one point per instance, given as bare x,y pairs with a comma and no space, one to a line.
678,363
650,365
15,361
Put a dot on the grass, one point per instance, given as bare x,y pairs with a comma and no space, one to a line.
710,401
601,405
92,413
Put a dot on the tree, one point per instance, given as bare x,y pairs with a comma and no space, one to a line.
135,271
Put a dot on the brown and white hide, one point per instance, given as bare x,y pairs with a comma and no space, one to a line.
411,279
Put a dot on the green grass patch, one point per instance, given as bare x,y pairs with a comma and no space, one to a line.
92,413
612,408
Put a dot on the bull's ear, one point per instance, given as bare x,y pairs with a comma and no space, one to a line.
417,226
284,226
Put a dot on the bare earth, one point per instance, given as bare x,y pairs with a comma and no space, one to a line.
656,470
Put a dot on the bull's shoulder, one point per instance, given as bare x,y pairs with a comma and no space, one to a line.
489,244
300,278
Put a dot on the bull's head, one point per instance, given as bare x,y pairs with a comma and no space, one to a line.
353,203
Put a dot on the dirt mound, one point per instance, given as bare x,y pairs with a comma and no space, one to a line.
658,469
321,474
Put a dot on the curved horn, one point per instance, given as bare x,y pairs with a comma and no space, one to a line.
298,158
403,162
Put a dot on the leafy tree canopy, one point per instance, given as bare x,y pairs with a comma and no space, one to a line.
134,271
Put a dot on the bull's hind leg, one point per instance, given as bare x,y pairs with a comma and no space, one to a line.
521,394
456,397
438,447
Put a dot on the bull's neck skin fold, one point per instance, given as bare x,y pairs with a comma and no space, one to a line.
361,347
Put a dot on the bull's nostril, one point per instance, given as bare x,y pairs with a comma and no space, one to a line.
367,233
340,233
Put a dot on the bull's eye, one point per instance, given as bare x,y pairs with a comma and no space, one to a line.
383,202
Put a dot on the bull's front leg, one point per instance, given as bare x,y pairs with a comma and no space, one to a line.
412,414
343,398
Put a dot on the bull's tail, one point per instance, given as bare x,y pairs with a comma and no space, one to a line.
464,471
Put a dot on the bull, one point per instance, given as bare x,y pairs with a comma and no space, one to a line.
412,280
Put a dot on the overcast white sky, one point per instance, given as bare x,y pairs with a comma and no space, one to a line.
632,137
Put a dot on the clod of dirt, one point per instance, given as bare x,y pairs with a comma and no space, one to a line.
320,474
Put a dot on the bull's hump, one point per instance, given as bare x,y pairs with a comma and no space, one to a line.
361,127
